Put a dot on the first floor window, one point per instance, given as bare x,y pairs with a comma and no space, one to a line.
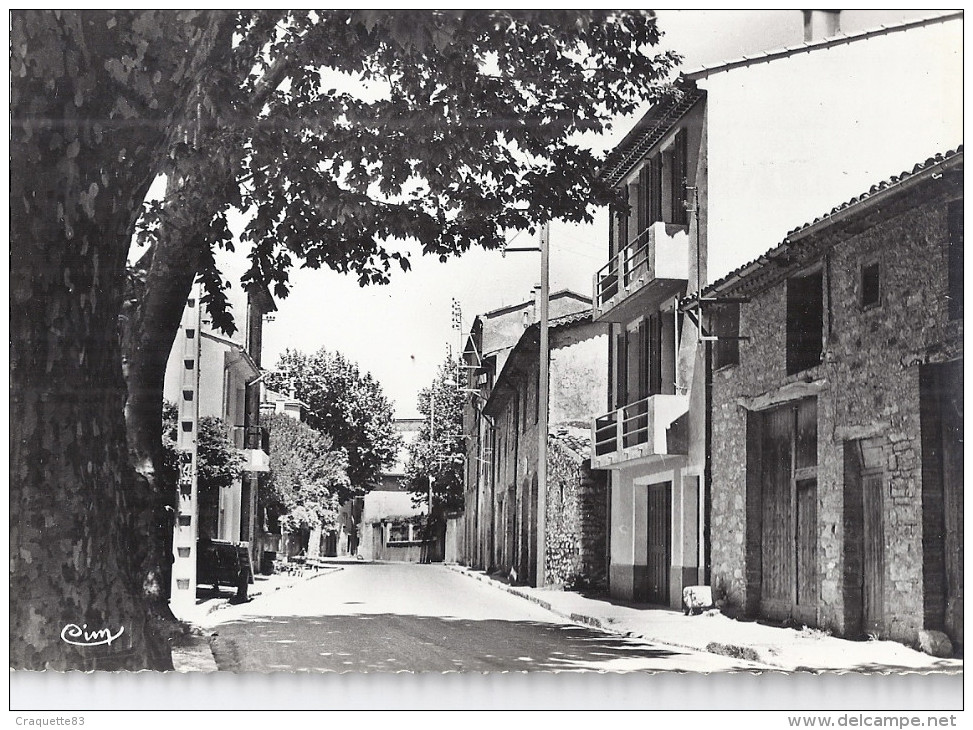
805,321
725,324
400,532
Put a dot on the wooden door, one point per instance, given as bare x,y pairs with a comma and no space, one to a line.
778,541
789,556
873,554
806,550
659,539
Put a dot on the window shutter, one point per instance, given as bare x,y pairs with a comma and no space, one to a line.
654,354
611,375
645,191
643,359
612,231
680,165
655,174
621,361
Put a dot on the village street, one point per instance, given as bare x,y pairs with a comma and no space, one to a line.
372,617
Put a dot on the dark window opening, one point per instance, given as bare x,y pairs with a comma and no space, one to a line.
954,264
871,286
725,324
805,322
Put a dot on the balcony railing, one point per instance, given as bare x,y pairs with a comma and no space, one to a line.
638,429
655,264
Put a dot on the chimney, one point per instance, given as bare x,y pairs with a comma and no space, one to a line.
535,312
820,24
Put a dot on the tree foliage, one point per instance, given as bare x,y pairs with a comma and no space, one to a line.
345,133
306,476
439,450
218,463
348,406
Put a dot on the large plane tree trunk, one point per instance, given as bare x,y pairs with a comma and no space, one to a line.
93,95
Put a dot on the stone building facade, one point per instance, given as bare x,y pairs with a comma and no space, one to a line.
836,448
492,338
577,513
714,174
505,451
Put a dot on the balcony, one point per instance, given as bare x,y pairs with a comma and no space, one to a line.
640,429
254,444
652,268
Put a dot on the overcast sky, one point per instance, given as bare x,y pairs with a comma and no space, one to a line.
401,332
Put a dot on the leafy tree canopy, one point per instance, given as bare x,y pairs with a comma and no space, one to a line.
347,405
346,133
439,451
306,475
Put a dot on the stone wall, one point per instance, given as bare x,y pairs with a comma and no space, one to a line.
866,387
576,520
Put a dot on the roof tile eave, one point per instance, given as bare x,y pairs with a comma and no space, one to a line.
742,274
806,47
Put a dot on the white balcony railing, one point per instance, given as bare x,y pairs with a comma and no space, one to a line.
637,429
656,263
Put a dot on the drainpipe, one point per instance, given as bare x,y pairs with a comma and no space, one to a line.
707,468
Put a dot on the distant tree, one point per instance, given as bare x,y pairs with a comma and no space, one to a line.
218,464
347,405
306,475
439,450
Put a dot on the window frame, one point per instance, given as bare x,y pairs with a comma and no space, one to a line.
414,533
726,352
797,343
866,265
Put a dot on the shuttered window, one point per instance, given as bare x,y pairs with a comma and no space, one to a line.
621,360
633,212
645,190
678,173
644,359
655,190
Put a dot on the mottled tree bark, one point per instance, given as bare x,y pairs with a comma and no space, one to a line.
89,130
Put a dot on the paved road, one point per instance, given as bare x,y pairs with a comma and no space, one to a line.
371,617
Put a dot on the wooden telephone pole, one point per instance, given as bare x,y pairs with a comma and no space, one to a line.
542,409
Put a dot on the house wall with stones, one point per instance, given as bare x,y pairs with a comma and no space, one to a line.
867,389
576,514
577,376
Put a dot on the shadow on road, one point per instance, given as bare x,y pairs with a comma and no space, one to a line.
385,642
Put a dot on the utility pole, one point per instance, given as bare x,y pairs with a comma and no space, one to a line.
432,447
542,409
186,530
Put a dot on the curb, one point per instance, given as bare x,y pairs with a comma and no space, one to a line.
731,650
197,655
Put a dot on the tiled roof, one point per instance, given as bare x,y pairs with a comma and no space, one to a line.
884,185
569,319
881,189
841,39
652,127
576,439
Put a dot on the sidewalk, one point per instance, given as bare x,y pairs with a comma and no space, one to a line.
807,650
192,653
